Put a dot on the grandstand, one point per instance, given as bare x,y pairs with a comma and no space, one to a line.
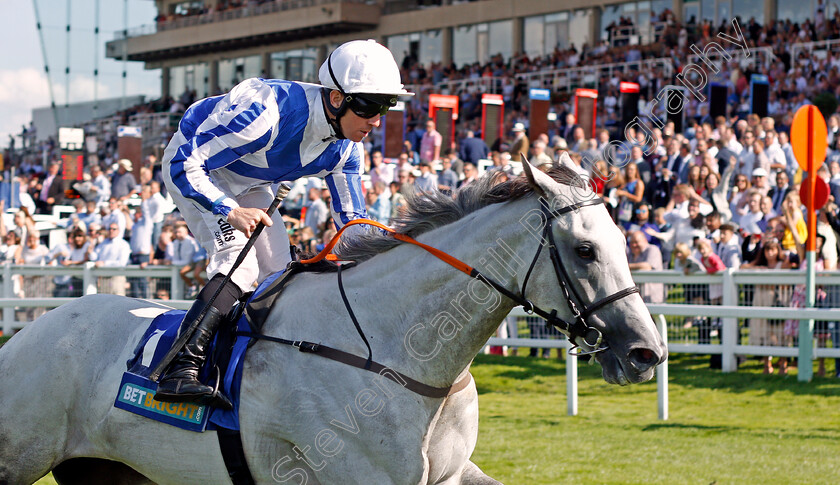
470,48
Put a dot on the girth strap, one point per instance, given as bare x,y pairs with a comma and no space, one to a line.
233,454
362,363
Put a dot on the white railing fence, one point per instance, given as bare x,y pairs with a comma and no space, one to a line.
28,288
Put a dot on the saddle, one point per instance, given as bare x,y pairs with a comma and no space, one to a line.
223,368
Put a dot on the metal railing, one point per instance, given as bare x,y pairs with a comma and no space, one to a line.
28,290
759,58
819,48
492,85
590,76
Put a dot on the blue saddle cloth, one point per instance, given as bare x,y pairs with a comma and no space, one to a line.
227,351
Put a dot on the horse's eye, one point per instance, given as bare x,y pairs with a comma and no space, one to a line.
585,251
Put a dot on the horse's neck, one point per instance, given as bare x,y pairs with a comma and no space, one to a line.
435,318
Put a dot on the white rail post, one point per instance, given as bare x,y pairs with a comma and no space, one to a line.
176,286
88,280
729,329
571,383
8,292
662,372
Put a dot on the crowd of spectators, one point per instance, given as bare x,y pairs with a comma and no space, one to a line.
793,81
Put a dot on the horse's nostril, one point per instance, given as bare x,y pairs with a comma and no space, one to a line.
643,357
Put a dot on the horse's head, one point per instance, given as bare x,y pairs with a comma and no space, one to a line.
589,268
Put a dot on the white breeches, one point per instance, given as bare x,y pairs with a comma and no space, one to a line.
224,243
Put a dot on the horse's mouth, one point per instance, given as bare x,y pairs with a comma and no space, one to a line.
614,370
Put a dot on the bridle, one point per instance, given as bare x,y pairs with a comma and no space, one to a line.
580,333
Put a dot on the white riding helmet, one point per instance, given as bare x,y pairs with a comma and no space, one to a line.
362,66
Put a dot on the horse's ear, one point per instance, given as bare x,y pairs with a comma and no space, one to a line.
565,159
529,174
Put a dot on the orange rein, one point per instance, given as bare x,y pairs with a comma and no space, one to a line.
326,253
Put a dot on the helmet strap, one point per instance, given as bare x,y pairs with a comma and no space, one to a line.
333,114
337,113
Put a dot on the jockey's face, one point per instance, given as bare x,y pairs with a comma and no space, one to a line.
356,128
353,126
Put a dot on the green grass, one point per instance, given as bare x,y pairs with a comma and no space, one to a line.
737,428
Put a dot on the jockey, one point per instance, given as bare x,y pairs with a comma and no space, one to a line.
230,149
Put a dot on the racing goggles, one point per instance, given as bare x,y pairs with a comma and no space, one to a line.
369,105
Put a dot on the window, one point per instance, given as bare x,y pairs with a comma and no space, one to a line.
177,81
431,47
579,28
425,47
556,31
533,36
500,38
295,65
464,45
610,15
188,78
251,66
541,34
227,76
796,11
196,78
707,10
400,47
187,8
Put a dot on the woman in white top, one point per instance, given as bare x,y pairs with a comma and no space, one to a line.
76,252
33,252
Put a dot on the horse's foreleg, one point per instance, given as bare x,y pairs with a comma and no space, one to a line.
473,475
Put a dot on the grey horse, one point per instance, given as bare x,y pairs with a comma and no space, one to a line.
309,420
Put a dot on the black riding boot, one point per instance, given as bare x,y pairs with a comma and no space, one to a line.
180,382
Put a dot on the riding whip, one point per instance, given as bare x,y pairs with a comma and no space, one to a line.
282,192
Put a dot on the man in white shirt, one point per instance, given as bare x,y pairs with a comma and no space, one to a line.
787,149
114,251
730,142
749,221
113,214
746,159
141,251
100,185
426,181
774,152
184,248
316,211
153,205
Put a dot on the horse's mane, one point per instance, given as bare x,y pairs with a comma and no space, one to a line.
430,210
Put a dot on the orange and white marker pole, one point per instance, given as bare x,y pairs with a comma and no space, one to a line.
809,140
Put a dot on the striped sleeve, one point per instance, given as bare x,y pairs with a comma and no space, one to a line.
345,184
242,123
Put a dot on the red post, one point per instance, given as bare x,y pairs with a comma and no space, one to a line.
811,243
